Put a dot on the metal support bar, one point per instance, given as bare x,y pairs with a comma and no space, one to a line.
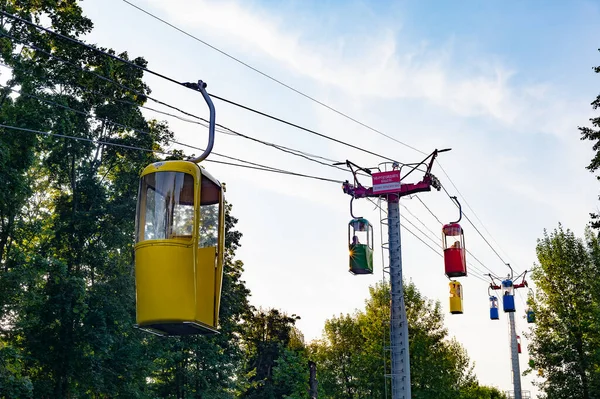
398,323
514,357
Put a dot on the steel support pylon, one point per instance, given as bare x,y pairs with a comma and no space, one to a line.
514,357
400,372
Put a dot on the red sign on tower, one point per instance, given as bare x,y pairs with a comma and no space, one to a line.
386,182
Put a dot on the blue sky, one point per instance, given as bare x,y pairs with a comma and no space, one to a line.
504,84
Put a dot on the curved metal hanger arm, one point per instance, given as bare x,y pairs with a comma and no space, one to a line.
201,87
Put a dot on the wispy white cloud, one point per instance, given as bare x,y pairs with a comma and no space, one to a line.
385,64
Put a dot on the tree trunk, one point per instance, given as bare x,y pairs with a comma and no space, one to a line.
312,381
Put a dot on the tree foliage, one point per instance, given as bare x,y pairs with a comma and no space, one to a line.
276,364
352,355
565,344
67,297
592,133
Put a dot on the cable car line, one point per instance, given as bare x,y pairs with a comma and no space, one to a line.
430,247
186,85
469,206
278,81
256,166
192,115
477,230
435,216
316,101
129,127
424,225
223,128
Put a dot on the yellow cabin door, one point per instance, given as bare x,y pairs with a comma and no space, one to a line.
205,286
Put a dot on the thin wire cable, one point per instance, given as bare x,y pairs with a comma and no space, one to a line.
102,77
262,167
174,81
305,129
126,127
220,98
477,230
204,122
78,42
277,81
426,207
242,106
434,234
471,209
420,239
413,215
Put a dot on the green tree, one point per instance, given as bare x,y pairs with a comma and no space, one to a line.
273,351
67,229
565,343
593,134
350,357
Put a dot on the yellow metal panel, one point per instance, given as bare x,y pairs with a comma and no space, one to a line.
456,301
165,281
205,285
456,305
220,257
174,166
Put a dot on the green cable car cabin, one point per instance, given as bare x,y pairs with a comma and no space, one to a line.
360,244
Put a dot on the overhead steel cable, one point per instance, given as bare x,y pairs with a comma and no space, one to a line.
251,165
440,222
102,77
243,106
217,97
469,206
186,85
278,81
477,230
426,207
78,42
437,242
422,241
312,99
126,127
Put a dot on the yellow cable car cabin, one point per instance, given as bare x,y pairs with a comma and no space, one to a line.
456,298
179,249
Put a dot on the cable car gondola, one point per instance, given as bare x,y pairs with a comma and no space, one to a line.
456,297
360,244
494,308
179,245
529,312
453,243
508,295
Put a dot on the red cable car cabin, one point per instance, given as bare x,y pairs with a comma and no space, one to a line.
453,242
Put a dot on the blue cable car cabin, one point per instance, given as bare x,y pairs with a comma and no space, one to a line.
530,316
360,244
508,297
494,308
